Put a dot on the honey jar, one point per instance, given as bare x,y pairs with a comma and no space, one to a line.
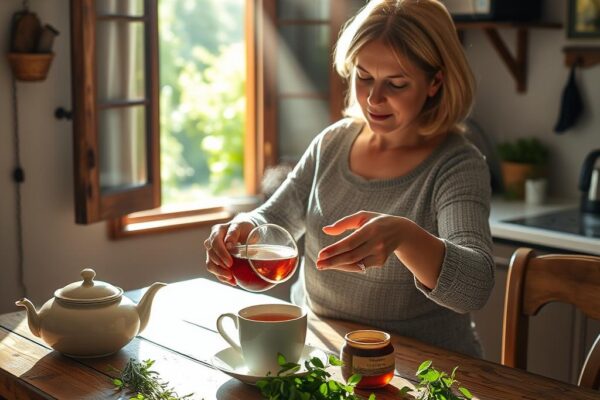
369,353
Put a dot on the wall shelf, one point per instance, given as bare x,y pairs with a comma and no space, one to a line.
585,57
516,64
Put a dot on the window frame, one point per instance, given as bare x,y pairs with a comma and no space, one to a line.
91,205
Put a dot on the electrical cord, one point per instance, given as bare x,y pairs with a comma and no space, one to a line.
18,178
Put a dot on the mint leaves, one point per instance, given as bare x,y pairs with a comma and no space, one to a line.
316,384
436,385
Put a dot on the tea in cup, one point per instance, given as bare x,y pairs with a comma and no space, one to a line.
269,257
264,331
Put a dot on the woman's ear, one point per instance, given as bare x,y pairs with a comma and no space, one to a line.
435,84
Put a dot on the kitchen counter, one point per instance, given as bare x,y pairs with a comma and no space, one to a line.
503,210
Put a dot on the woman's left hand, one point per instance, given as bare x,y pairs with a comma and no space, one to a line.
375,237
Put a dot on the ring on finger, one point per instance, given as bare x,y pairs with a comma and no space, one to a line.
362,266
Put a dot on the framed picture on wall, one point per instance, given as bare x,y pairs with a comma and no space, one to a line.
583,19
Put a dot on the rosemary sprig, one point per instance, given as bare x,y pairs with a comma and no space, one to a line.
138,378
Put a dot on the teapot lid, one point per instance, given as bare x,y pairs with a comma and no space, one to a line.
88,290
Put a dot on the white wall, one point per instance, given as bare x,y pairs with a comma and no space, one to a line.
503,113
56,248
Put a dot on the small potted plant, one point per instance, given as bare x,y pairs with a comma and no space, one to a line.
522,159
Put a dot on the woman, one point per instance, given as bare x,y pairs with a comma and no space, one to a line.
393,200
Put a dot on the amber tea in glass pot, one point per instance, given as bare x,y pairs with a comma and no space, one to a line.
269,257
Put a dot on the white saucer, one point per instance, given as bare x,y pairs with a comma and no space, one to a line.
230,362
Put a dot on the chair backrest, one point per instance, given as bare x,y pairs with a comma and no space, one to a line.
534,281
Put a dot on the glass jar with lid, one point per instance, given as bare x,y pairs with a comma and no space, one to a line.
369,353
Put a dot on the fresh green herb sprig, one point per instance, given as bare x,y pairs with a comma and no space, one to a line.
436,385
138,378
316,384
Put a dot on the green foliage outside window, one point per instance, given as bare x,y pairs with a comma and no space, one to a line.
202,98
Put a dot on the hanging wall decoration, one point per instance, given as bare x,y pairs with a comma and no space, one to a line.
31,43
584,19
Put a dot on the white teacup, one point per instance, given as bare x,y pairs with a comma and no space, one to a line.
265,330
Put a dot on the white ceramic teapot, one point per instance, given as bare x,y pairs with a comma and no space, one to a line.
89,318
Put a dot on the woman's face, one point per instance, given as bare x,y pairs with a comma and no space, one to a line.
391,97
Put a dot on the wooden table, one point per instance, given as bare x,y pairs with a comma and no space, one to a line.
181,338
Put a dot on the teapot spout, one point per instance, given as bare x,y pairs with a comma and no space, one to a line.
33,317
145,304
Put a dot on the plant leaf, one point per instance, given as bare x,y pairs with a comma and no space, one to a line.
465,392
316,361
453,372
323,389
354,379
336,362
424,367
431,375
404,391
280,359
448,382
333,386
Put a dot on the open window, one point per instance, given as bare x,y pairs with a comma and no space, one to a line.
291,93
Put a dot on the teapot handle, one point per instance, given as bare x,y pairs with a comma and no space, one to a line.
225,335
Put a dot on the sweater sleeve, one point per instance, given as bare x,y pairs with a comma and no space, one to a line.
287,206
462,202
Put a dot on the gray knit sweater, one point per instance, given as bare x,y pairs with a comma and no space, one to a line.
448,194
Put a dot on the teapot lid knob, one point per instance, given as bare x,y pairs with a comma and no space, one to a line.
88,276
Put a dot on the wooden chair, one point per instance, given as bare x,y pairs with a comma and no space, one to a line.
534,281
590,373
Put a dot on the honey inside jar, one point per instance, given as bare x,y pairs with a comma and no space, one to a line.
369,353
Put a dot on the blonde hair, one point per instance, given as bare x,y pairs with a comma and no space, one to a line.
422,32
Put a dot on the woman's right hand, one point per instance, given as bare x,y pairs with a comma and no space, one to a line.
222,238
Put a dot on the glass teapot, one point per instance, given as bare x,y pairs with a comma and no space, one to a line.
269,257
